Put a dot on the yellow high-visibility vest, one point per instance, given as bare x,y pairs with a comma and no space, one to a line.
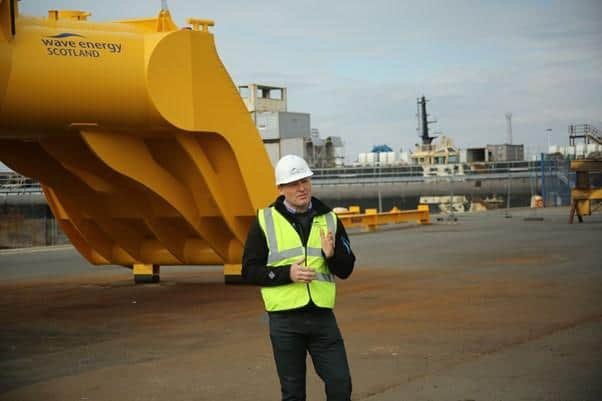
285,248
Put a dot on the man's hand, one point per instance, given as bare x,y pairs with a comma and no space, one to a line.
327,243
301,273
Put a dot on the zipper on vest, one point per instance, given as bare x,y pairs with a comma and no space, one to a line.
300,232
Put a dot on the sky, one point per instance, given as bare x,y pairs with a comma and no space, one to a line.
358,67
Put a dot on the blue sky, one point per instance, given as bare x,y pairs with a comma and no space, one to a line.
357,67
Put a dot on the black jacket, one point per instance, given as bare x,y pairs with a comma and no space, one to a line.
255,256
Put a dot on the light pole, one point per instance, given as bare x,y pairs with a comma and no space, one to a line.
451,215
376,173
549,134
509,184
380,200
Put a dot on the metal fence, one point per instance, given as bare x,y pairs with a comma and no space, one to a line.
25,218
417,172
556,181
548,177
12,183
18,230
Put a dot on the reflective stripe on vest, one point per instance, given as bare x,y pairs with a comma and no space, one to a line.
276,255
285,248
325,277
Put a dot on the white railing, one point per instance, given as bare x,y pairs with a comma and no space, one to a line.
12,183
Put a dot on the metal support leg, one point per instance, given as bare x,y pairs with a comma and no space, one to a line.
575,208
233,274
146,273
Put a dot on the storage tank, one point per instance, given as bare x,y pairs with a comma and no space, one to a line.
362,159
391,159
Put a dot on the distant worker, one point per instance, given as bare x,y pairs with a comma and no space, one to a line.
294,249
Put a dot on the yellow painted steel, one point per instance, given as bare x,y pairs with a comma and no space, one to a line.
354,209
146,273
351,211
591,194
371,219
589,165
145,150
583,193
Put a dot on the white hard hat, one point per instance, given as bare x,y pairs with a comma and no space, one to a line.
291,168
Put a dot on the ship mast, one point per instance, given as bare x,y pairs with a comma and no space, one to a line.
423,123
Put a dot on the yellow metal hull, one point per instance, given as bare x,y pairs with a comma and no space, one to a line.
144,147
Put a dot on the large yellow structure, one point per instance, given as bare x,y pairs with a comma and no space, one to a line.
145,150
584,193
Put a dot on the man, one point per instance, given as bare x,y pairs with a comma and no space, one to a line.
295,248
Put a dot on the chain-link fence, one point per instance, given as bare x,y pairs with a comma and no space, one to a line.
556,180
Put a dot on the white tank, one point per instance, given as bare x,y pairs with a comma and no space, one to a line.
592,147
391,158
363,159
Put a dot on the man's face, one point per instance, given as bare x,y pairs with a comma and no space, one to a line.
297,193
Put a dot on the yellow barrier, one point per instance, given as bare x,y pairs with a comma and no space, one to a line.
351,211
371,219
145,150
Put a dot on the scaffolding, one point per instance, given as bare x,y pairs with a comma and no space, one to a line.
588,133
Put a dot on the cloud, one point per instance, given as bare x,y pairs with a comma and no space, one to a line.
359,66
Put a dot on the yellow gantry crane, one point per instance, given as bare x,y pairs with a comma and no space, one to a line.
143,145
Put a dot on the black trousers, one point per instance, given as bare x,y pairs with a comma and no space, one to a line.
296,333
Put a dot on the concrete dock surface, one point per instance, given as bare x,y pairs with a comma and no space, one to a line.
483,308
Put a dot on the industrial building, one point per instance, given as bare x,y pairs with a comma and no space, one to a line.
444,152
493,153
284,132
